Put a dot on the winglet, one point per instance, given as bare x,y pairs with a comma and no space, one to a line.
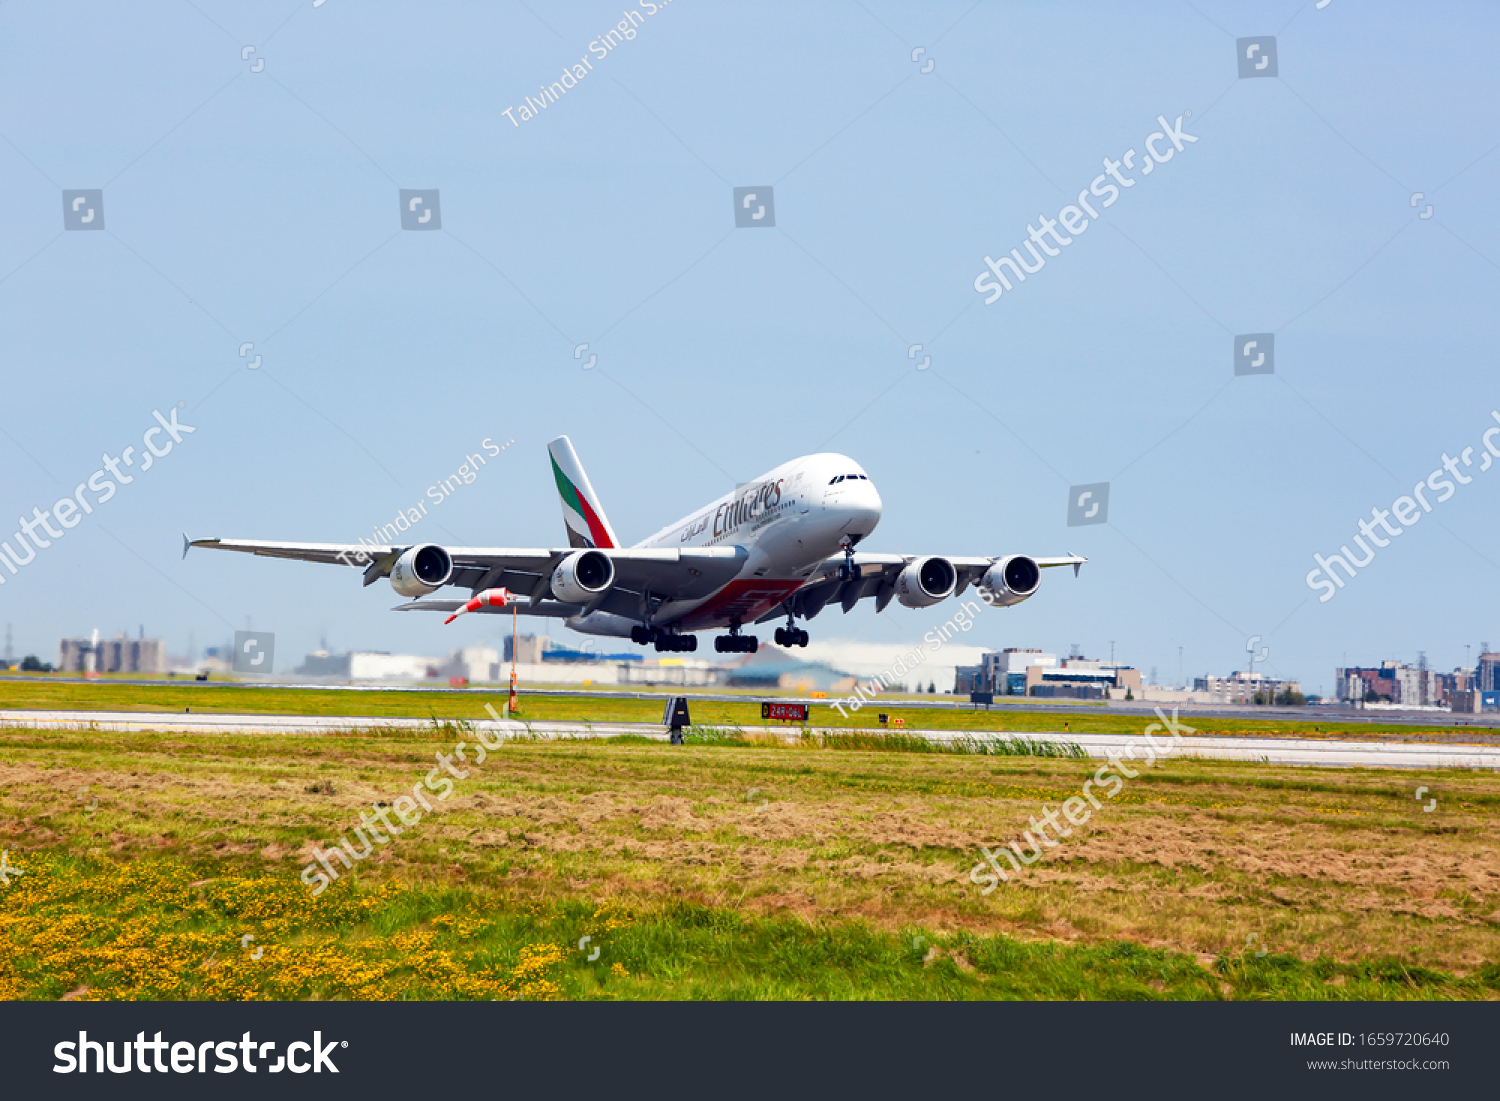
185,544
1079,564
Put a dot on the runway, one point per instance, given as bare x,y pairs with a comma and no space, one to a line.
1327,753
1339,715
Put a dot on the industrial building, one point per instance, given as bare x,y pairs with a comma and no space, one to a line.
120,654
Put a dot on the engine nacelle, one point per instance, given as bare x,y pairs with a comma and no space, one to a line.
582,577
925,581
1010,580
421,570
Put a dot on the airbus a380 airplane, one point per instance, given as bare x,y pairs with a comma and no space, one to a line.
782,545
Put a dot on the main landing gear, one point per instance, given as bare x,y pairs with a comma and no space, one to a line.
736,643
791,634
664,641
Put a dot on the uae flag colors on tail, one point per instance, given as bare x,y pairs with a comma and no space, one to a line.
585,520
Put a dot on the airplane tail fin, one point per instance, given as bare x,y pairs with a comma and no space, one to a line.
586,523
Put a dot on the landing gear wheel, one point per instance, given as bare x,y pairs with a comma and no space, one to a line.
781,637
801,638
847,572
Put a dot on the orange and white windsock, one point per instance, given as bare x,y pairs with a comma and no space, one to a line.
490,598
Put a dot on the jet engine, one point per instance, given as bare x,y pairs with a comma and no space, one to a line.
925,581
421,570
1010,581
582,577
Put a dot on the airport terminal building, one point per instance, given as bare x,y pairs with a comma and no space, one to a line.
1022,672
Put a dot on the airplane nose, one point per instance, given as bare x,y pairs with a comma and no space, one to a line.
863,510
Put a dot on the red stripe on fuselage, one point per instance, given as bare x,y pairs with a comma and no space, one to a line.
745,599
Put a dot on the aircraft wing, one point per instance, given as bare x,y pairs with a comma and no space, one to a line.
875,575
640,573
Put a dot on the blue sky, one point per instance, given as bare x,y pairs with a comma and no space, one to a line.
262,207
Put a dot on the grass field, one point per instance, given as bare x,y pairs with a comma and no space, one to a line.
119,695
726,870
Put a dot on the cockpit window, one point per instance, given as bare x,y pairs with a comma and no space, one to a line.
837,480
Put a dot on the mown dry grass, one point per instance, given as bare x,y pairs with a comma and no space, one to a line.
1203,862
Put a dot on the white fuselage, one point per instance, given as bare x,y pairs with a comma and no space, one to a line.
788,521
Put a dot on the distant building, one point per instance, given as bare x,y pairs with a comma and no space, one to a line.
1471,701
1027,672
1005,672
1367,685
1241,687
484,665
968,678
368,665
773,667
120,654
534,649
472,663
1488,672
528,648
1394,683
1081,678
